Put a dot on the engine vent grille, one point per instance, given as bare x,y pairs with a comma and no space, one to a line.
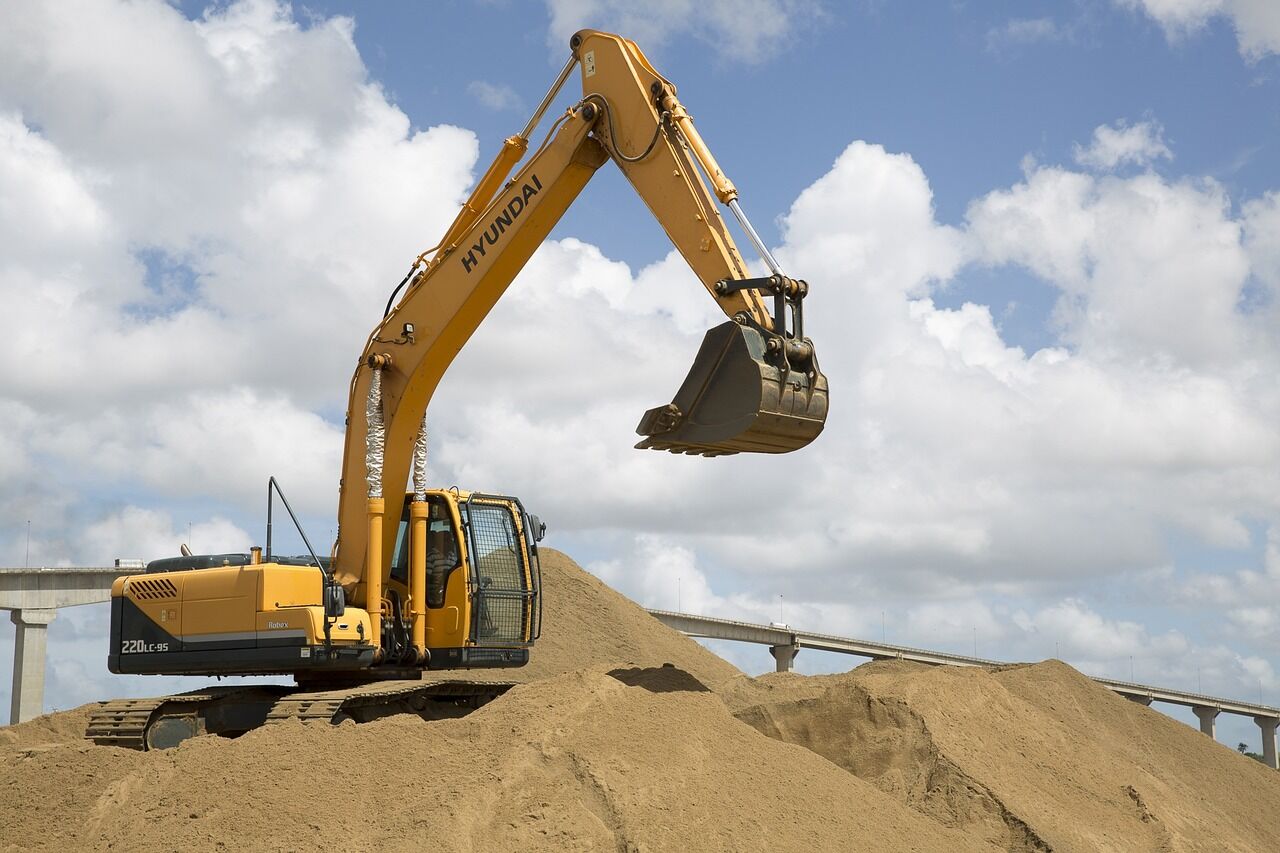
149,589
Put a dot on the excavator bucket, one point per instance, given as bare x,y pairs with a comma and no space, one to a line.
737,399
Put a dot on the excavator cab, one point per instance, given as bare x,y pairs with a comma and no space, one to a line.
483,581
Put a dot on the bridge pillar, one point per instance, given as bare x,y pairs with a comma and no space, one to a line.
784,655
31,635
1207,717
1268,726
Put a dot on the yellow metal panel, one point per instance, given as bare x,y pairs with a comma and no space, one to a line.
217,601
668,179
449,626
346,628
288,586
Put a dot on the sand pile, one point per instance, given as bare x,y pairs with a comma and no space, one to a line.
606,749
1030,758
586,622
577,762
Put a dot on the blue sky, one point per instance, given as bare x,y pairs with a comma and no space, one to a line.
968,89
1042,238
947,82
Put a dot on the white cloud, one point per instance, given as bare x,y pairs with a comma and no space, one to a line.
1125,650
1022,31
1149,269
1124,144
195,235
1178,16
136,533
495,97
742,30
220,445
1256,22
1250,598
1262,243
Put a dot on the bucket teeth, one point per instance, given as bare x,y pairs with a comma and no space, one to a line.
737,400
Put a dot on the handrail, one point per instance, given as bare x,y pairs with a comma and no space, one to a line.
326,576
272,484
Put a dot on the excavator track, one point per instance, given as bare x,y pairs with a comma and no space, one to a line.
367,702
124,722
163,721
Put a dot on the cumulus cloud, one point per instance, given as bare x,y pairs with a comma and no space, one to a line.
1256,22
195,211
1124,144
746,30
1149,269
134,531
1262,243
1249,598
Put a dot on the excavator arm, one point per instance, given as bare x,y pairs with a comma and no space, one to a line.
754,386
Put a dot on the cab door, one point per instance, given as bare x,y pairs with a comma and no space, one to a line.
504,577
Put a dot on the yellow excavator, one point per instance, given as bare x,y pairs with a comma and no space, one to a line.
447,579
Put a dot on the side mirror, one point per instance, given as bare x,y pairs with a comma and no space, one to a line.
534,530
335,600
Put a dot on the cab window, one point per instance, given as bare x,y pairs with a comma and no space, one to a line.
442,550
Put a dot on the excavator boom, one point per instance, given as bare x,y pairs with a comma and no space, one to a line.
755,385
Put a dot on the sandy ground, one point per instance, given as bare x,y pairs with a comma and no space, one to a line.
603,748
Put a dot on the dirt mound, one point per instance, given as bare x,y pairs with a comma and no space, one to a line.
577,762
63,727
586,623
1030,758
607,747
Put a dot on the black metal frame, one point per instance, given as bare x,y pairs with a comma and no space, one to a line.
330,592
532,564
785,291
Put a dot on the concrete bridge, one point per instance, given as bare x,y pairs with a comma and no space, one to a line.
785,643
32,597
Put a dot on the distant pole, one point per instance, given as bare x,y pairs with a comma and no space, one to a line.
1131,678
679,608
1199,687
26,561
975,641
882,632
189,545
1057,654
780,619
